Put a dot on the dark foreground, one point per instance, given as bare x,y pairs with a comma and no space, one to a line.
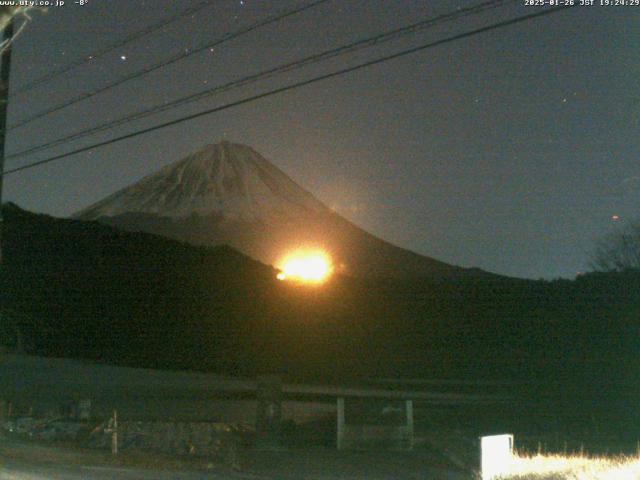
22,460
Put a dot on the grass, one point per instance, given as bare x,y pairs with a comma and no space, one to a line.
69,454
573,467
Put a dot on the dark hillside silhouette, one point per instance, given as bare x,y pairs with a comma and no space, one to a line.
85,290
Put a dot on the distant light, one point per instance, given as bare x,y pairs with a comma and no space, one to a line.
305,266
123,57
496,455
615,218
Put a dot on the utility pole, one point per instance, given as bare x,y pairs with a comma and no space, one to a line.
5,67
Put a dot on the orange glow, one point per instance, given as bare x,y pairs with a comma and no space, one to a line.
306,266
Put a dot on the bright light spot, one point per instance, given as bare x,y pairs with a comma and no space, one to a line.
497,455
123,57
306,266
615,217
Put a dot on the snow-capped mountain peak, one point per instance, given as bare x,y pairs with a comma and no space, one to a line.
229,194
225,179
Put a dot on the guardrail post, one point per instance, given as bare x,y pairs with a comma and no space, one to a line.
269,415
112,428
409,409
340,424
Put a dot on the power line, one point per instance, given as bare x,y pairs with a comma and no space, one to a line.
99,53
171,60
287,67
296,85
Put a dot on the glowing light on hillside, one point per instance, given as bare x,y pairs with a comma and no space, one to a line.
306,267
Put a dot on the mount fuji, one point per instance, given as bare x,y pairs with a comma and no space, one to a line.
228,193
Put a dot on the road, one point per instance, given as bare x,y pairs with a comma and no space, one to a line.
14,470
24,460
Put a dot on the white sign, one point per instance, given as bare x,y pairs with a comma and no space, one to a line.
496,455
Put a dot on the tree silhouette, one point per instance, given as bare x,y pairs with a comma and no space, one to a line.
619,251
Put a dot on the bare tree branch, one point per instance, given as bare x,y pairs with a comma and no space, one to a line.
619,251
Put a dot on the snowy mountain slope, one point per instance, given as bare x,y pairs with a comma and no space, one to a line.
229,194
226,179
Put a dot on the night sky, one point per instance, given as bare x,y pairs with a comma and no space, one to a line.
512,151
